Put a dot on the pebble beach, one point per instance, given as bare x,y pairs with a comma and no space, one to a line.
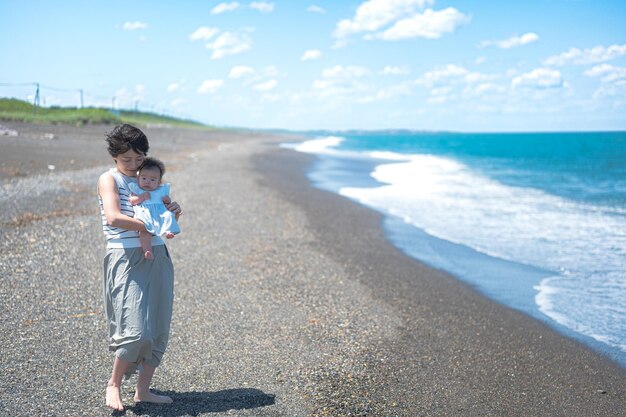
289,301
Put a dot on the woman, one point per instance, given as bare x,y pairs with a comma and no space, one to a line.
138,292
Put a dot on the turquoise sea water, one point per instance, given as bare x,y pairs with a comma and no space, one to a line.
536,221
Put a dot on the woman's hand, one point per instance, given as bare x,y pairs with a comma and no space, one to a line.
174,207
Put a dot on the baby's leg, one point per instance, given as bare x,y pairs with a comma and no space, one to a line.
145,238
169,235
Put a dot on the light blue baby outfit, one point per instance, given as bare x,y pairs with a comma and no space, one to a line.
153,213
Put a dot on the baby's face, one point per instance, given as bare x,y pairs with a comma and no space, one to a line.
149,179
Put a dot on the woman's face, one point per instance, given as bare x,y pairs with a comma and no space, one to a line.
129,162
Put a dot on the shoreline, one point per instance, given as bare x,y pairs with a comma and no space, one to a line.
513,355
349,175
525,277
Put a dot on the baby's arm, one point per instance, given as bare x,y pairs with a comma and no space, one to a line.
138,196
138,199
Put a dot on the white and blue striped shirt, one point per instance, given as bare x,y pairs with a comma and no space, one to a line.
117,237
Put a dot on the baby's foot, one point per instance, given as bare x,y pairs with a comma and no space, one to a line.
114,398
148,255
149,397
169,235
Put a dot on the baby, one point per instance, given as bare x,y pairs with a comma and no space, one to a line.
149,199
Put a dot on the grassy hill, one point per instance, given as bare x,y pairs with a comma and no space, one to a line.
17,110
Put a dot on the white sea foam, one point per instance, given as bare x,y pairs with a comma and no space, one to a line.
326,146
584,245
322,145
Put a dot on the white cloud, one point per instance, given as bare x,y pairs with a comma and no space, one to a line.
178,102
609,73
430,25
203,33
225,7
135,25
597,54
266,86
617,90
270,98
441,91
262,6
335,89
483,89
210,86
512,42
511,72
270,71
450,74
315,9
340,82
310,55
453,83
339,71
177,86
322,84
229,43
390,70
613,83
128,98
387,93
539,78
374,14
239,71
441,99
480,60
392,20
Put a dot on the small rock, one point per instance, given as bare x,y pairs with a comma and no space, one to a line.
5,131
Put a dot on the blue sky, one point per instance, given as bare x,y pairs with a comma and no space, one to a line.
492,65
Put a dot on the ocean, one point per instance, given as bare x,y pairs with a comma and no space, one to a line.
535,221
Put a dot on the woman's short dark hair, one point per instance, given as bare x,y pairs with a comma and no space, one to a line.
124,138
153,163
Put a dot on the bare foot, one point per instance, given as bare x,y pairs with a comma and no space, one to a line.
149,397
148,255
169,235
114,398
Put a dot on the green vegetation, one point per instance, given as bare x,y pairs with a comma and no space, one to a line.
143,119
17,110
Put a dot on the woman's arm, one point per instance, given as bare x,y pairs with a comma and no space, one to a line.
111,204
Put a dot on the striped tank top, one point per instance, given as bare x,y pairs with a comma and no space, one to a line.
115,236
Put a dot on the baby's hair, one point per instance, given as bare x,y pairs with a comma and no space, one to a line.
150,162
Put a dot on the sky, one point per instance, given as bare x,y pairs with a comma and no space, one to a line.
458,65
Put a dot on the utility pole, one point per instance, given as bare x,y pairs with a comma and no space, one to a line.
113,103
81,98
36,101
